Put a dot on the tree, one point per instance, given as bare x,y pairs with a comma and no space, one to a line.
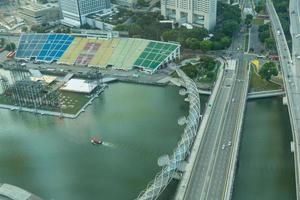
210,75
270,43
38,29
264,35
263,28
225,41
248,19
43,1
190,70
217,45
192,43
135,29
2,41
208,63
143,3
10,47
260,7
205,45
229,27
268,70
24,29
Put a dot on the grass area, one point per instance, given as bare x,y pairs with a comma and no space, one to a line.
72,102
258,84
211,80
200,78
3,100
258,21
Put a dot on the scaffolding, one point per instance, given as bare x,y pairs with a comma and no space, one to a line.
95,77
23,92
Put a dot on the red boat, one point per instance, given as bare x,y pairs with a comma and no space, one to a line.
96,141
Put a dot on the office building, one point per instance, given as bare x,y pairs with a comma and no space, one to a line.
37,14
74,12
201,13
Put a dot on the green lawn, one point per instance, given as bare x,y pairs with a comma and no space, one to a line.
258,22
258,84
72,102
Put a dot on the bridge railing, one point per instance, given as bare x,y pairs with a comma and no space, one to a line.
162,179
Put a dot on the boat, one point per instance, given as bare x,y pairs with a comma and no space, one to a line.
96,141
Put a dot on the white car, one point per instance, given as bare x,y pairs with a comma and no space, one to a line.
223,146
229,143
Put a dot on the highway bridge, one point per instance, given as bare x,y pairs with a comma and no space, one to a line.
213,169
291,73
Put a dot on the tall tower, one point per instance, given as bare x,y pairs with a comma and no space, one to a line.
201,13
74,11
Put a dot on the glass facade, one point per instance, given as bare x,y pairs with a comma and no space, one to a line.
73,11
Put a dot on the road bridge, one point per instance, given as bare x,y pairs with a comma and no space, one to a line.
291,74
265,94
214,163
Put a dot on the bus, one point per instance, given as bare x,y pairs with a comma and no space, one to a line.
260,56
11,54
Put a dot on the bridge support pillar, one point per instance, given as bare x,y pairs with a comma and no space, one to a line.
284,100
182,121
292,146
182,92
177,175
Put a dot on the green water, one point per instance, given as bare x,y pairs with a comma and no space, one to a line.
54,159
266,166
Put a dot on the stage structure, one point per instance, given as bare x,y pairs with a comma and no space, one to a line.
26,93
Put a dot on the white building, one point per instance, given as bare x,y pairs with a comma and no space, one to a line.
74,12
201,13
128,3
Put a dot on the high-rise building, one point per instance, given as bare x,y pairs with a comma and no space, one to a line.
75,11
196,12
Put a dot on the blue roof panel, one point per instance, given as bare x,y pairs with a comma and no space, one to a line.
45,47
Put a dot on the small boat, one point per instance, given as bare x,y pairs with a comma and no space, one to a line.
96,141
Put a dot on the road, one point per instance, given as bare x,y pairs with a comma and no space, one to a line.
209,177
291,74
254,42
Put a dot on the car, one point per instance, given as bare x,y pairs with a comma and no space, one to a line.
229,143
223,146
232,100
